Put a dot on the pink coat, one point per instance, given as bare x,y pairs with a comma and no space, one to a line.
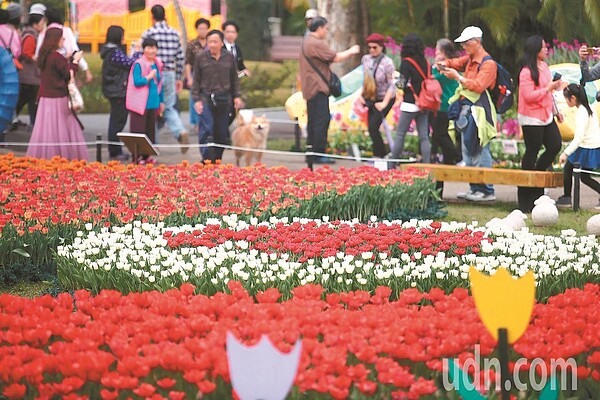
11,38
137,97
534,101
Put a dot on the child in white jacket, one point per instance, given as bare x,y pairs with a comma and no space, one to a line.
584,149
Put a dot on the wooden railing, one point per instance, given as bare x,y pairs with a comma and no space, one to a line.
93,29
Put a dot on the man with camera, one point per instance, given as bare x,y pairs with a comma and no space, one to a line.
589,74
478,77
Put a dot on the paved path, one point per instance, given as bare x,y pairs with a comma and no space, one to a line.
281,127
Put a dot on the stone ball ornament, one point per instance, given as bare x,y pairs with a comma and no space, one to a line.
593,225
544,212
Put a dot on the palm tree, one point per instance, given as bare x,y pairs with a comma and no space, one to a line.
499,16
572,18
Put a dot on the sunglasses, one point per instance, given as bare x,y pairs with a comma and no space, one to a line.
373,47
464,44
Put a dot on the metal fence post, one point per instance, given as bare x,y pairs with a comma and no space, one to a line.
297,135
309,157
98,148
576,186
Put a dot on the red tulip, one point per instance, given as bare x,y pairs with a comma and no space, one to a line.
15,391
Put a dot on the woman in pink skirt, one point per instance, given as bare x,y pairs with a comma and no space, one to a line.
55,122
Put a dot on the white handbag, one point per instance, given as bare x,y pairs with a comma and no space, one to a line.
75,98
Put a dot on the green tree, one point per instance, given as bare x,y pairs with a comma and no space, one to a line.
506,23
572,18
252,16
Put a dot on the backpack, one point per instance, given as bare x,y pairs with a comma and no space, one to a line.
502,93
430,97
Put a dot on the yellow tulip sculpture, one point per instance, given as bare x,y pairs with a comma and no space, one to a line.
505,305
503,301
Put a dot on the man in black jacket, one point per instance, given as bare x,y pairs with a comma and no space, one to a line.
215,91
230,31
230,34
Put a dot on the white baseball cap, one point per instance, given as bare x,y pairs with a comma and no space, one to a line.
470,32
311,13
37,8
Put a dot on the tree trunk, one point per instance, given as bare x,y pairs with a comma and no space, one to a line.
446,20
181,24
348,25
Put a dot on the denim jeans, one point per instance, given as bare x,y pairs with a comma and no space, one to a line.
171,115
483,159
422,120
193,113
213,124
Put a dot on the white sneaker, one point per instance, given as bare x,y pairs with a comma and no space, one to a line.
464,195
481,197
461,164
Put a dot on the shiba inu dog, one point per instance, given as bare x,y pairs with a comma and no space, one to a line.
250,133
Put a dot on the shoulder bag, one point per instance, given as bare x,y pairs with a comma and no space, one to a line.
75,98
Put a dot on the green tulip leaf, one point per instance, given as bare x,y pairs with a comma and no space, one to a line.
22,252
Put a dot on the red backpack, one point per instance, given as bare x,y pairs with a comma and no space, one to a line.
430,97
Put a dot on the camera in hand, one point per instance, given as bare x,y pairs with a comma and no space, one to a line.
592,50
556,77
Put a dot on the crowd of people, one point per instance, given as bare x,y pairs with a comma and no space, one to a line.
143,85
466,85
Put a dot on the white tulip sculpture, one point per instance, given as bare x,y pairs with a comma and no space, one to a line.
261,372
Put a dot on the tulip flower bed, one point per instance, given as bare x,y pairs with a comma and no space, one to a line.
45,201
340,256
354,344
194,251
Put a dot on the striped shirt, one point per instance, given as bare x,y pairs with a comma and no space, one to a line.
169,47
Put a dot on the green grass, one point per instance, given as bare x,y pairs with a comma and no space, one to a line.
482,213
284,144
27,289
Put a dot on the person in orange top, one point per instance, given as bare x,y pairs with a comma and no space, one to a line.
478,77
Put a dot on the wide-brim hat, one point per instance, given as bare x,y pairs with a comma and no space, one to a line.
470,32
